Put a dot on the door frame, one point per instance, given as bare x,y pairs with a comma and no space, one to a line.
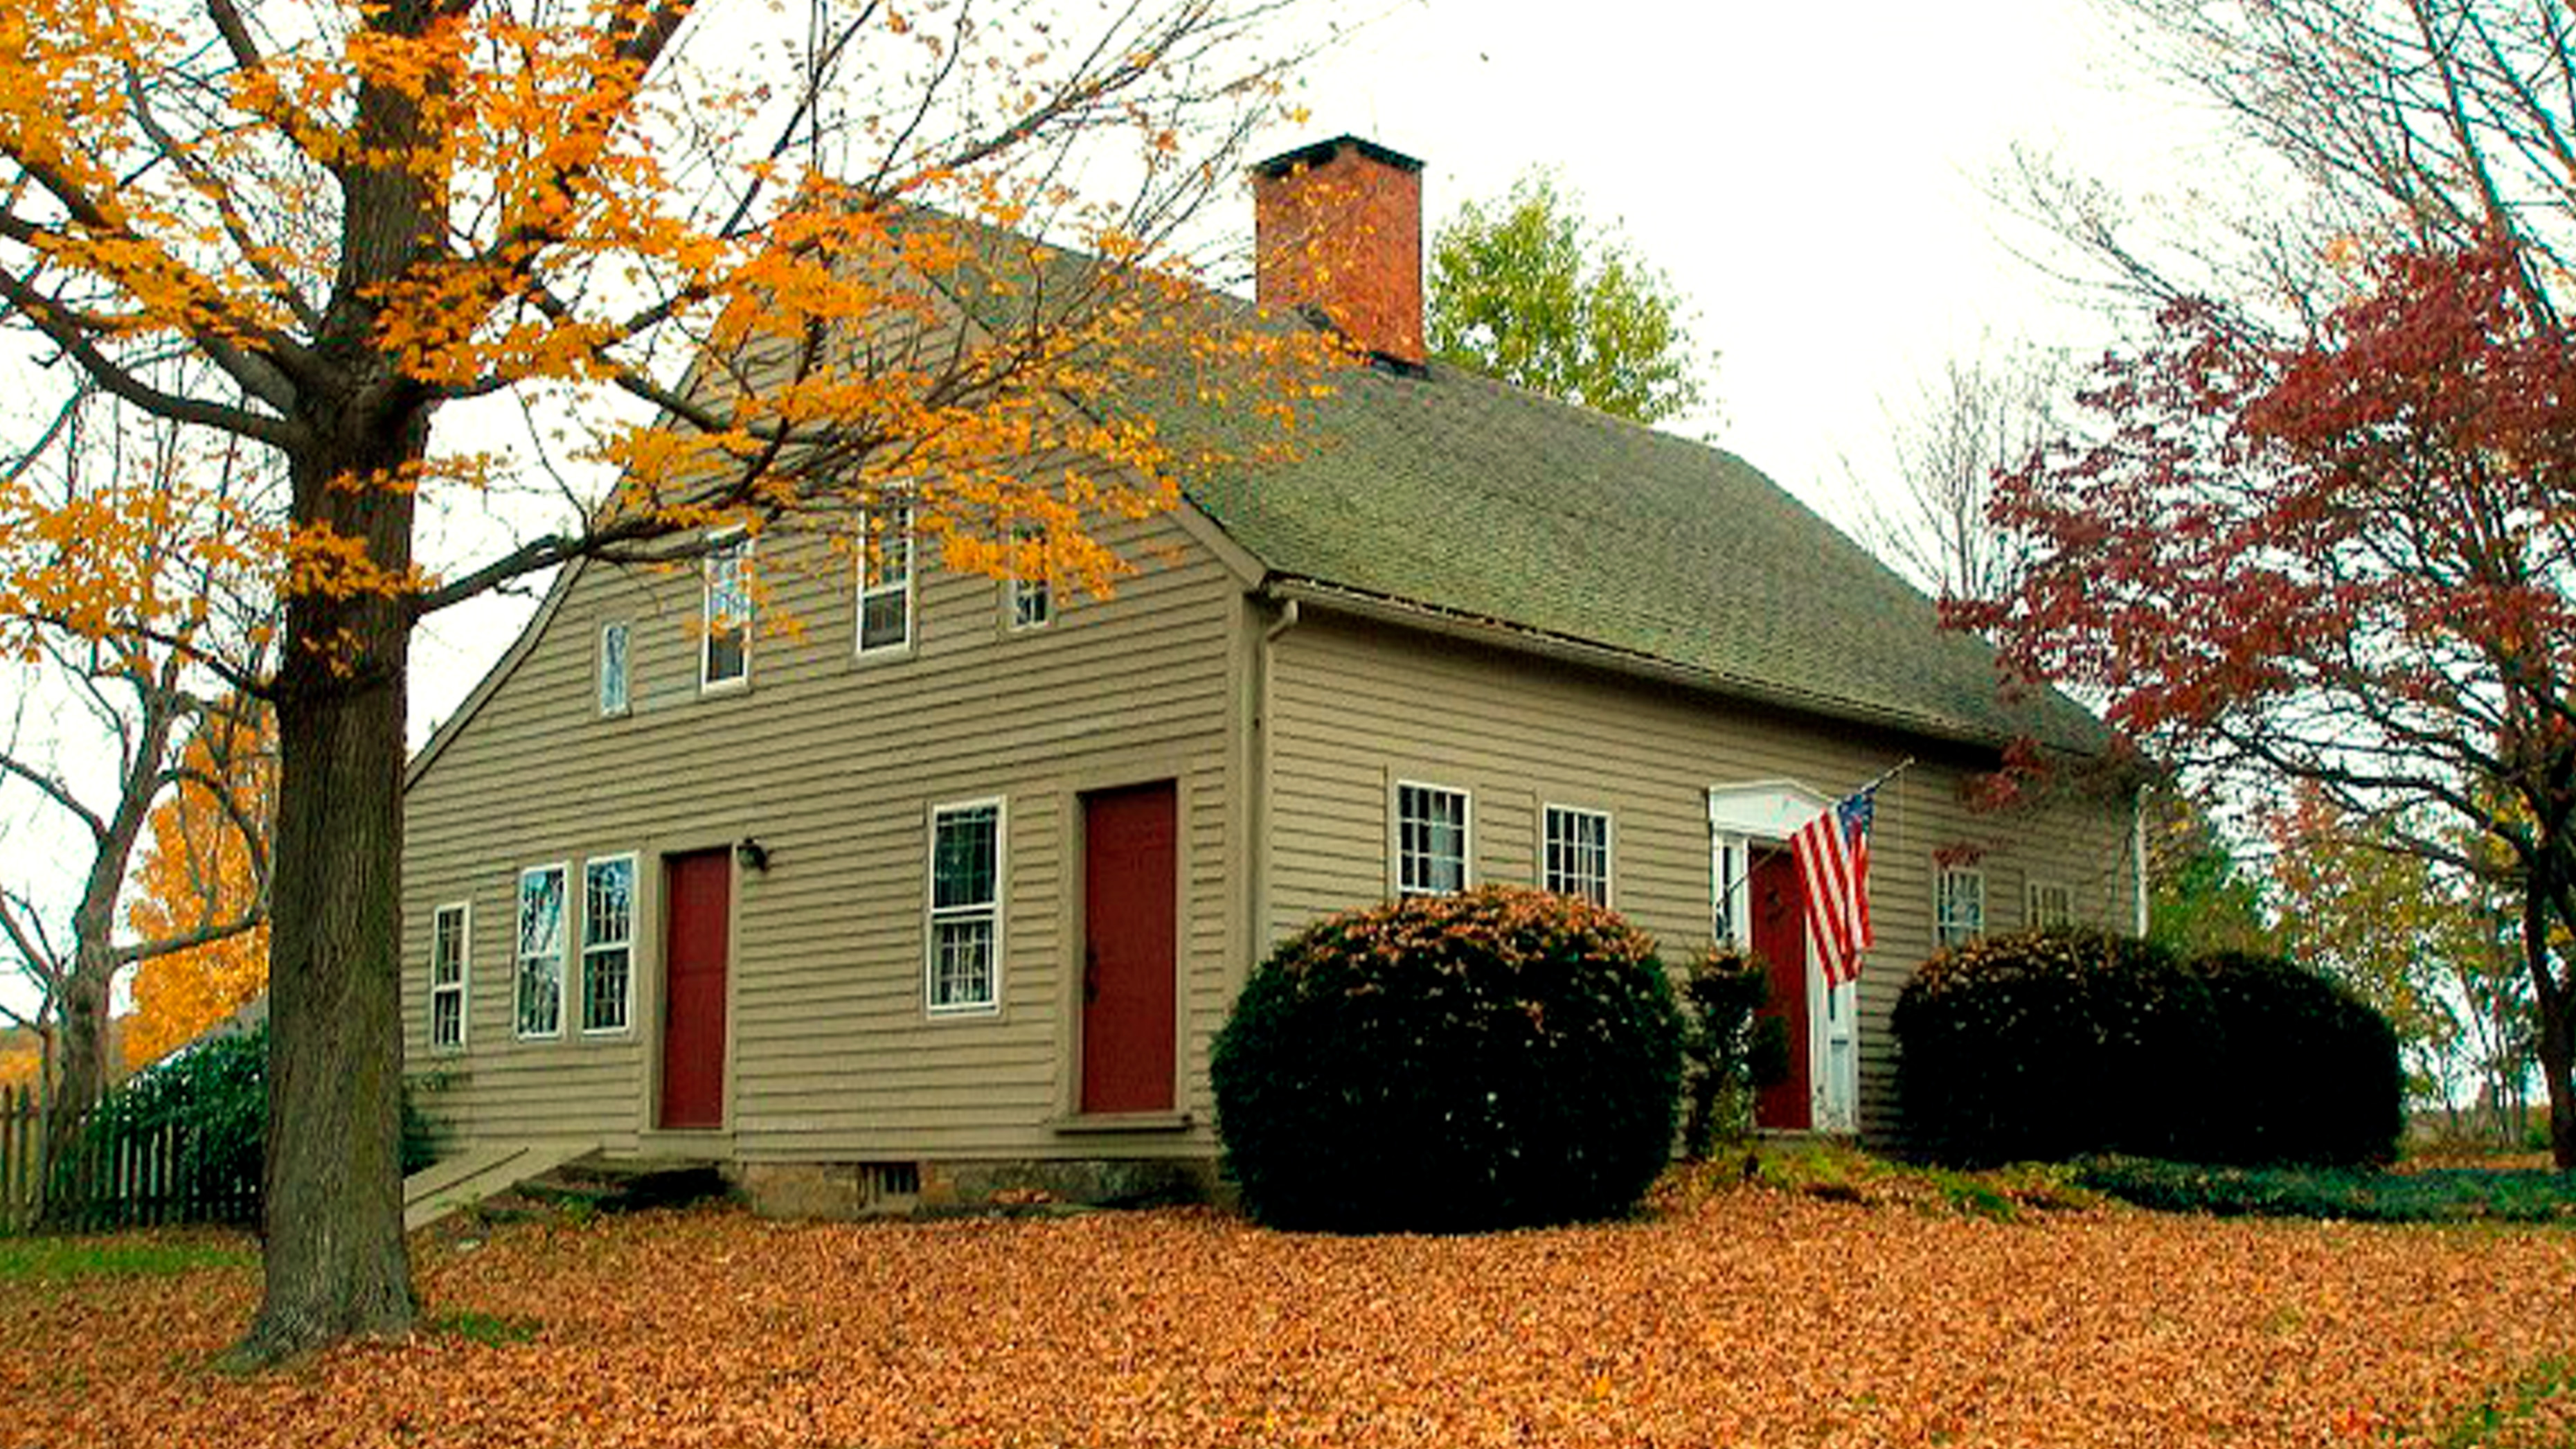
649,1106
1763,814
1183,772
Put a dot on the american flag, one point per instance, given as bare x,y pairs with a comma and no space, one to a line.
1832,852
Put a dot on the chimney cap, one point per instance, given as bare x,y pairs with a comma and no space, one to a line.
1316,153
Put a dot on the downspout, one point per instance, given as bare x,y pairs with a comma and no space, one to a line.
2138,857
1264,694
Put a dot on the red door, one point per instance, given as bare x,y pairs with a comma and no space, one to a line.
697,891
1780,934
1129,961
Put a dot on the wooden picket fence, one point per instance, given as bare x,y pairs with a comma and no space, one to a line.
132,1179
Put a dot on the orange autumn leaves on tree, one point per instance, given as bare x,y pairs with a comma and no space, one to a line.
201,867
763,295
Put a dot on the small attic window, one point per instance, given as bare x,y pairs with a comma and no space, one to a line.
615,639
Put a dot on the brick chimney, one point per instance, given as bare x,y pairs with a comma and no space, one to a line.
1337,225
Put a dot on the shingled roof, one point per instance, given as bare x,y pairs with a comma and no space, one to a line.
1448,490
1438,488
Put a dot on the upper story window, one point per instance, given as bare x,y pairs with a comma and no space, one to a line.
450,940
1430,840
1958,905
725,658
607,943
541,951
1575,853
1032,600
885,580
965,907
615,640
2050,904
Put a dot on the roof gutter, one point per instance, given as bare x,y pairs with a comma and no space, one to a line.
1497,633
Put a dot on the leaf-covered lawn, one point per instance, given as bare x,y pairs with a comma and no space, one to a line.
1756,1317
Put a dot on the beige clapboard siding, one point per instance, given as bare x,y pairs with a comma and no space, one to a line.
1358,706
833,763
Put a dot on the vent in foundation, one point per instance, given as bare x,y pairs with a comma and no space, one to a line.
888,1184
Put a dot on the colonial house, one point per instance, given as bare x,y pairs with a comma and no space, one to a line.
948,891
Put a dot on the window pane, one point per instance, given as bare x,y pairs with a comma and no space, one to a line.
1578,854
889,558
447,948
604,974
1431,840
608,903
728,614
961,962
541,913
541,941
965,857
447,1018
884,620
612,669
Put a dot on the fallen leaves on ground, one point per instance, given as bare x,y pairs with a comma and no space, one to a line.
1753,1317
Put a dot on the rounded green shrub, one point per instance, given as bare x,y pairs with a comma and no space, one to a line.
2311,1074
2045,1045
2058,1044
1494,1059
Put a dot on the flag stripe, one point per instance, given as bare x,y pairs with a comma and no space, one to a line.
1832,853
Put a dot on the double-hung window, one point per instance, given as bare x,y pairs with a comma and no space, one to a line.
885,579
450,942
2050,904
541,951
965,946
1958,905
1430,840
1032,598
725,659
607,942
1576,853
615,641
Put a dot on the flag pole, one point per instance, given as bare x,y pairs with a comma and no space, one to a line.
1890,773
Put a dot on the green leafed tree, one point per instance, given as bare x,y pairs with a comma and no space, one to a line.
1530,289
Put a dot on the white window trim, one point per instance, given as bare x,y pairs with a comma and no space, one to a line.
1466,835
910,588
1941,875
2031,890
716,543
563,947
634,906
1548,810
931,914
626,684
463,986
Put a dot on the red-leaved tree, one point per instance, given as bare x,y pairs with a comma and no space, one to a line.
2346,562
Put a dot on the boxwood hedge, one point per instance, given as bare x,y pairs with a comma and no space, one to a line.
1499,1058
2053,1045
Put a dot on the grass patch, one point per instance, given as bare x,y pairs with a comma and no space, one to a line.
2438,1195
55,1260
2494,1421
491,1330
1836,1172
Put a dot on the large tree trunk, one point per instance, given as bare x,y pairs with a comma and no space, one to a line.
2558,1070
336,1266
79,1080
